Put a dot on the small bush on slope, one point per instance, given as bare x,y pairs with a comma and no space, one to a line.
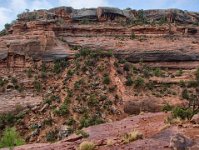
11,138
87,146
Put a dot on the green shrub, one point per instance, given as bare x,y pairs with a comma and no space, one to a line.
183,113
162,20
3,32
106,79
37,86
43,67
51,136
77,84
158,72
11,138
14,80
139,82
87,121
29,72
63,110
84,52
192,83
197,74
167,107
2,82
7,26
8,118
43,75
83,133
121,61
70,73
133,36
93,101
147,72
51,99
112,88
150,85
70,121
179,72
129,81
185,94
48,122
126,67
182,83
59,65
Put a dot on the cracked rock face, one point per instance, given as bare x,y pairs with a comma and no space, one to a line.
48,35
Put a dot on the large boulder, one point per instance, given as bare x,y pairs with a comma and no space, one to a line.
110,13
135,107
88,14
179,142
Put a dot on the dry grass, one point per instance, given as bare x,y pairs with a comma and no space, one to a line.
110,142
86,145
132,136
171,120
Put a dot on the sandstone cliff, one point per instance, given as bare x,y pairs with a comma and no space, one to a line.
50,34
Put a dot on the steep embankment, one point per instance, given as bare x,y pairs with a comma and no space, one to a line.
64,69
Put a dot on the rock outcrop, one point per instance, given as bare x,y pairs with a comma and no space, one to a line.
47,35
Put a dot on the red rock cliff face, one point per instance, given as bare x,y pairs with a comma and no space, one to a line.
49,34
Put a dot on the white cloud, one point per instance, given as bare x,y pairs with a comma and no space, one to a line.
84,3
18,5
4,16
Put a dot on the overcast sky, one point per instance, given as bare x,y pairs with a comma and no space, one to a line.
10,8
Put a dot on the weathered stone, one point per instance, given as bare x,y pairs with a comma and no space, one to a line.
64,132
35,132
195,119
85,14
179,142
44,108
135,107
108,13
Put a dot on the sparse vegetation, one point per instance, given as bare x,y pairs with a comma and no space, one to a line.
51,136
139,82
129,82
197,74
37,86
133,36
106,79
10,138
7,119
62,110
183,113
158,72
167,107
87,121
179,72
82,133
59,65
29,72
2,82
185,94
